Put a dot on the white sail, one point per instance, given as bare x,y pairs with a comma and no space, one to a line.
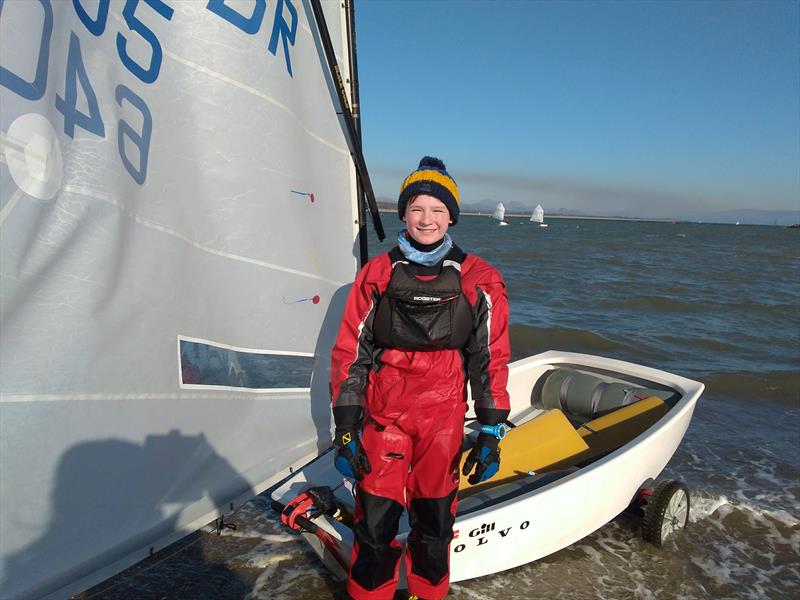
538,214
178,225
499,212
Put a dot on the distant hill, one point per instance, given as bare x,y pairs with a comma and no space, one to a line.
744,216
386,204
748,216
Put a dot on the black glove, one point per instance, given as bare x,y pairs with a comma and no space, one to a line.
323,500
350,459
484,458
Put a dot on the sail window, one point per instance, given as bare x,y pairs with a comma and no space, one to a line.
205,364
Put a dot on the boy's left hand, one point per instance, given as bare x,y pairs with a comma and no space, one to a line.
484,458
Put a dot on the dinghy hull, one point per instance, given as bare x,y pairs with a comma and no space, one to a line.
530,516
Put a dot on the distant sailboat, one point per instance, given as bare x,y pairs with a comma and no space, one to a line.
538,216
500,213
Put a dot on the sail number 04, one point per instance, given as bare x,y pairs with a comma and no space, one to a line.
146,70
76,76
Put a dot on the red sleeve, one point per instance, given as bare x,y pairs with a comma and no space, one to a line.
352,354
489,349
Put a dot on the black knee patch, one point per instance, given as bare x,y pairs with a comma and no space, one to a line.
377,558
431,533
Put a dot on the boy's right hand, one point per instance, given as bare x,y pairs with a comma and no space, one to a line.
349,457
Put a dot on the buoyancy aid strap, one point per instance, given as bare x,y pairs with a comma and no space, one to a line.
396,256
454,258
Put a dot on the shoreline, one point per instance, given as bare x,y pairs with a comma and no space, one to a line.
553,216
583,217
674,221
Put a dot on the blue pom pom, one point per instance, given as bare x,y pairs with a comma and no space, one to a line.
432,161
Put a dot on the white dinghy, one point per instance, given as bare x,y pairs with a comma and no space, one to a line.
500,213
584,427
537,216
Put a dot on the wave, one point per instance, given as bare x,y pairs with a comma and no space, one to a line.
690,305
782,387
527,340
698,343
715,507
660,303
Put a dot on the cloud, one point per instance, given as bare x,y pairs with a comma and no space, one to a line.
587,196
591,197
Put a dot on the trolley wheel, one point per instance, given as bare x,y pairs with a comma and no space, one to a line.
665,511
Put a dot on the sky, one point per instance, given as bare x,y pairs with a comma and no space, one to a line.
659,109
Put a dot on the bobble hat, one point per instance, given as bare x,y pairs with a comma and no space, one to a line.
431,178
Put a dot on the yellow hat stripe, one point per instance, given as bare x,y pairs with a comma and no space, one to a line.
431,175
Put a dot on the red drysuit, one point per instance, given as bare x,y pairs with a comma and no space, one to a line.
412,405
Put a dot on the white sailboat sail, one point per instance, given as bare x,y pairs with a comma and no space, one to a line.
499,212
178,224
538,216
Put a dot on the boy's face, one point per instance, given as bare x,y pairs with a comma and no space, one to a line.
427,219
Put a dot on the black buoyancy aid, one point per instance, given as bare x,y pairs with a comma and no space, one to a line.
413,314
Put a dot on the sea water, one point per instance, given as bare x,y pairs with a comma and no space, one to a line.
716,303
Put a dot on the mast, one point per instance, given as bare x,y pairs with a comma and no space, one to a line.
349,7
355,140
